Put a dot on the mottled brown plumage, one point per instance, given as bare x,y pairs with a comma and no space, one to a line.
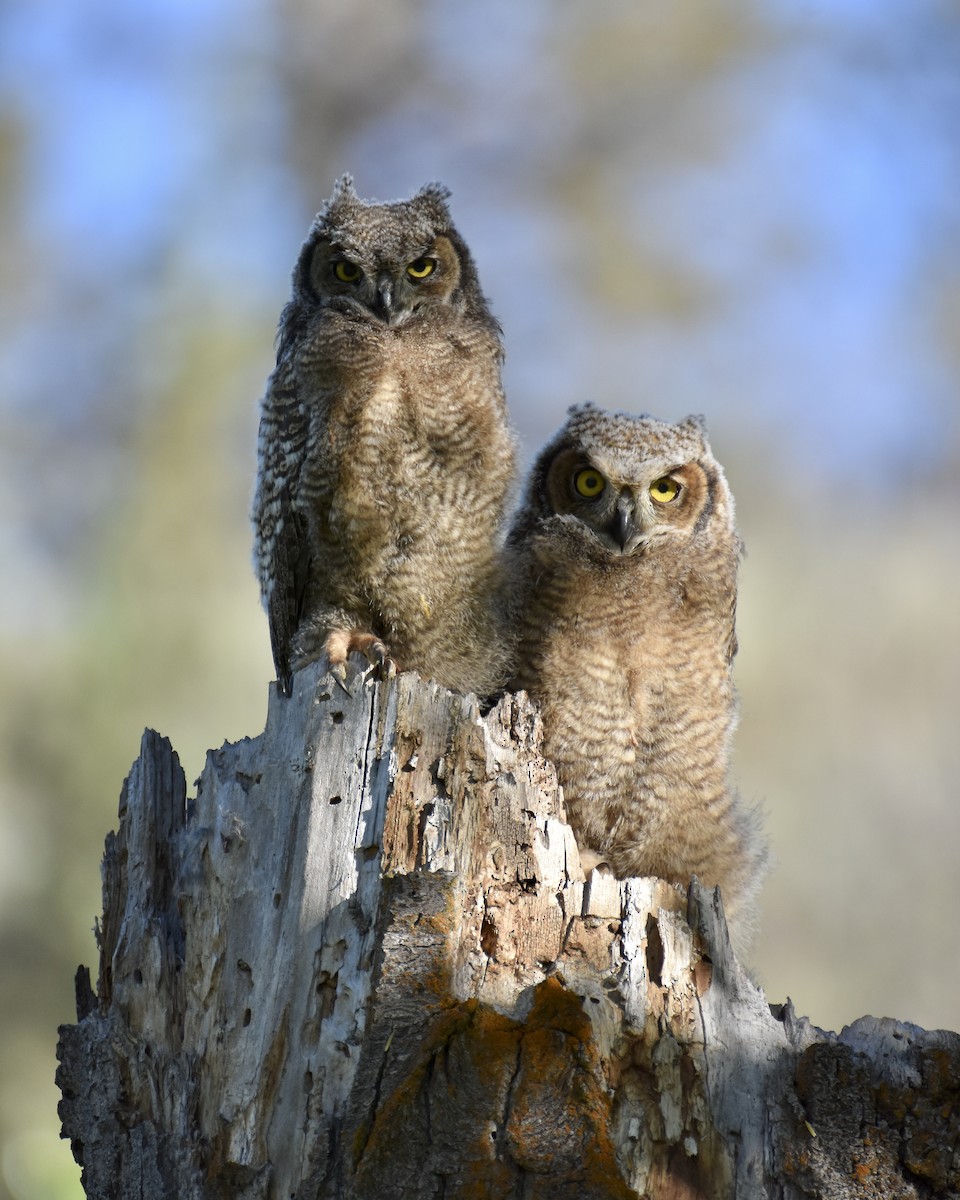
623,593
385,457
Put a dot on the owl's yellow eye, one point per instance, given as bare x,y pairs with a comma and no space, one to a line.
664,490
420,268
346,271
589,483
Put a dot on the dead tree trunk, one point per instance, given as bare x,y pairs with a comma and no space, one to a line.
364,963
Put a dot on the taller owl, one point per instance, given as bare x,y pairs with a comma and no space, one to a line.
624,594
385,458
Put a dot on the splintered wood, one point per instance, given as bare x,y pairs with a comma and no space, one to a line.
364,962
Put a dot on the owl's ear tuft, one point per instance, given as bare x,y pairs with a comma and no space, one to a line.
343,189
433,197
696,423
435,191
581,418
343,193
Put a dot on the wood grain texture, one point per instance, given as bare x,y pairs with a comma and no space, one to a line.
364,962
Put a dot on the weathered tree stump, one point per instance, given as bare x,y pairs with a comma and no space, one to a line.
364,962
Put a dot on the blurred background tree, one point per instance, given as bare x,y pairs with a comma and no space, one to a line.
747,210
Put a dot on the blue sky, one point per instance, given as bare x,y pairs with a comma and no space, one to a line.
825,228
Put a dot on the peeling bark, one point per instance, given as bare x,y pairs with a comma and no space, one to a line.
364,962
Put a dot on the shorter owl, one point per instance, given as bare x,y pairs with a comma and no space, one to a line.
385,455
623,567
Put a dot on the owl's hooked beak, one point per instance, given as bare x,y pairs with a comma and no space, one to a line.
624,527
383,305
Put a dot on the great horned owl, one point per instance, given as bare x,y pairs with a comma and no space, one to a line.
623,590
385,456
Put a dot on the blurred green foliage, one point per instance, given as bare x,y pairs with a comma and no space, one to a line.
651,240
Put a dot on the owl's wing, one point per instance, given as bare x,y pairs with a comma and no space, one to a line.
283,550
285,606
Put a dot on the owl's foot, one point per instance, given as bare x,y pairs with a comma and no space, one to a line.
341,643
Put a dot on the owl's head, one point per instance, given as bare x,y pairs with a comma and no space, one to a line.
387,262
624,484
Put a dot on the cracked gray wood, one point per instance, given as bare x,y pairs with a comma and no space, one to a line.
364,962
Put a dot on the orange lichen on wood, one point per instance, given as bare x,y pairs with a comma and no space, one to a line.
490,1099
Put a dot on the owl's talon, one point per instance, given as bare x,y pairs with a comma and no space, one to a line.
376,652
382,666
341,643
339,673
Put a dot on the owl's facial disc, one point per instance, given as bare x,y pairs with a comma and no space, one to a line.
626,508
391,284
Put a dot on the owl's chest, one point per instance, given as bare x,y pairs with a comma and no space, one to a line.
593,606
415,400
633,641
